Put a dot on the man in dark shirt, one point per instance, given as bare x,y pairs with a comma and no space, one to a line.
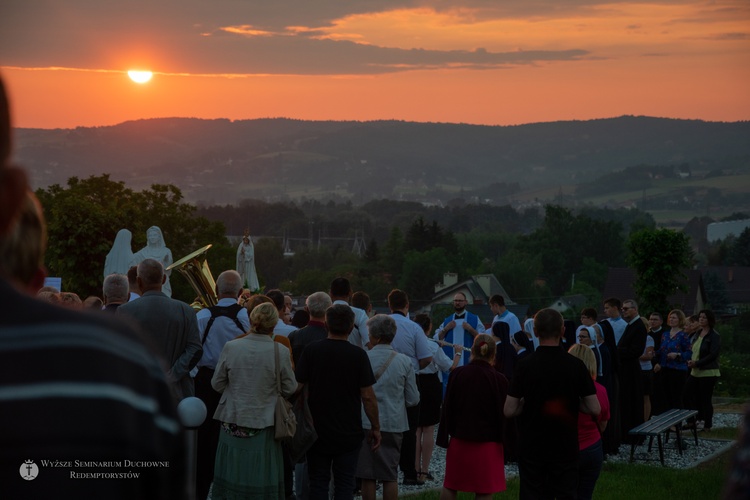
548,390
340,379
629,349
316,305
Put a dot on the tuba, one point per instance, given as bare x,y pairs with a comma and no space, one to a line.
195,268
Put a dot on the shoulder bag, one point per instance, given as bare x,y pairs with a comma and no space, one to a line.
285,423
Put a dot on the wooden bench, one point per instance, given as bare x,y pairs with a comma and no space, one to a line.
662,425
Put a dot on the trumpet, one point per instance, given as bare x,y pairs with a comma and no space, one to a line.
195,269
448,344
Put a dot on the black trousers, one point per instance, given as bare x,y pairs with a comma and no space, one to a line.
208,432
408,459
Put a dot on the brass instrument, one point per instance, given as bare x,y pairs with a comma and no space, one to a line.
195,269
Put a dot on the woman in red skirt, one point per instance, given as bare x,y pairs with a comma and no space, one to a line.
473,418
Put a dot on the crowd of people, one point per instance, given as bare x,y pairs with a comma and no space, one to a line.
103,386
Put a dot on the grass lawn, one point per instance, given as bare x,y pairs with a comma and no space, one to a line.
623,481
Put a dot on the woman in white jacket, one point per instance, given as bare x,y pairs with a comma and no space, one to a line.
249,461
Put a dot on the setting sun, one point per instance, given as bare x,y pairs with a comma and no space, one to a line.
140,76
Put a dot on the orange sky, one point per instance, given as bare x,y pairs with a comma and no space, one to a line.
65,63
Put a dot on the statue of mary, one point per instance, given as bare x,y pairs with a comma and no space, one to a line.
157,250
246,263
120,257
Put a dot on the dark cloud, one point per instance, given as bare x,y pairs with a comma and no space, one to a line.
190,36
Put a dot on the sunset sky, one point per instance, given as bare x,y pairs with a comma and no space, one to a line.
496,62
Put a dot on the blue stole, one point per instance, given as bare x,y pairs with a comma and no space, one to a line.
468,341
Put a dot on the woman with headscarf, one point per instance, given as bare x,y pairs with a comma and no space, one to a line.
120,257
473,418
156,249
249,462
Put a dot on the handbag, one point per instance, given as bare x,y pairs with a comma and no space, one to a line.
284,421
306,434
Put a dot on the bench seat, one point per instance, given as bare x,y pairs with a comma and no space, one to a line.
662,425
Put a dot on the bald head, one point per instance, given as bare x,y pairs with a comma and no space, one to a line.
229,285
150,275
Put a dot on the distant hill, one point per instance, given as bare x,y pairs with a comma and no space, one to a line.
223,161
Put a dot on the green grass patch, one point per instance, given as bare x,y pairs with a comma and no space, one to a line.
626,481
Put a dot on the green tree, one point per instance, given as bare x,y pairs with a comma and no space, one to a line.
84,217
270,263
564,240
660,258
716,292
422,270
739,255
392,254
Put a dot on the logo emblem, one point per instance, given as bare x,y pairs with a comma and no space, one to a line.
29,471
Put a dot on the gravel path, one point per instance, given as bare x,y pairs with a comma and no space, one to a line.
690,457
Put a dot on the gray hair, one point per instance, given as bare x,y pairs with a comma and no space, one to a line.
151,272
382,327
229,283
632,303
317,304
116,288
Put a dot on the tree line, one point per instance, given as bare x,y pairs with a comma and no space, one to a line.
537,255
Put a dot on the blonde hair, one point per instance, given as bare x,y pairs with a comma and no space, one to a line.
483,348
583,353
680,317
263,318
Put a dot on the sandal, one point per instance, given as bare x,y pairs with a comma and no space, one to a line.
426,475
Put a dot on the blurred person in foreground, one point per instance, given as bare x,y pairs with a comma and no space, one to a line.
473,418
79,387
22,250
549,389
249,462
590,429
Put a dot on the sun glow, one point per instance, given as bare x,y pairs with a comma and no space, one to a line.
140,76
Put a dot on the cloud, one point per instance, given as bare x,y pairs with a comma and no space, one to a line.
728,36
316,37
227,38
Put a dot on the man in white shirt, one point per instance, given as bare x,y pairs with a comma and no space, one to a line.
217,325
278,299
612,308
135,291
497,305
341,293
409,340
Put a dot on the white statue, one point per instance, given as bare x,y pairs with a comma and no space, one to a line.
157,250
120,257
246,263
